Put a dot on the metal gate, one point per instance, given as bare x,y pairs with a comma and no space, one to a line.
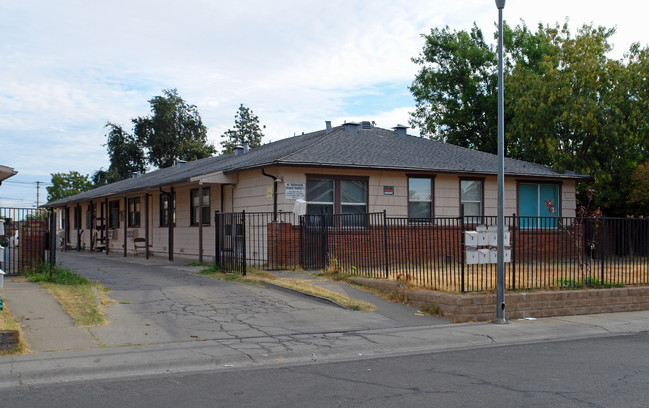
25,239
347,240
230,243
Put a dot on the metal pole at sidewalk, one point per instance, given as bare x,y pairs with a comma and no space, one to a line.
500,277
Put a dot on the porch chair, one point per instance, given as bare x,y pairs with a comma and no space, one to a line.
140,245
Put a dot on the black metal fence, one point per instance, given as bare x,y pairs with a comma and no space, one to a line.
25,241
256,239
450,254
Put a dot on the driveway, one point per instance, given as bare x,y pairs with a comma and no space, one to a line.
161,302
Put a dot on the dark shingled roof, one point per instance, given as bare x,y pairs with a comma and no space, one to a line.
374,148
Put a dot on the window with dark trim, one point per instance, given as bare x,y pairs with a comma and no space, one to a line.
420,198
338,195
77,218
195,206
134,212
471,199
164,209
113,212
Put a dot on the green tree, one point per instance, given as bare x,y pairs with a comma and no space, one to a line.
246,130
567,104
125,154
173,131
67,184
639,194
577,109
455,89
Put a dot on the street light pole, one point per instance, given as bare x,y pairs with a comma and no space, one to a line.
500,278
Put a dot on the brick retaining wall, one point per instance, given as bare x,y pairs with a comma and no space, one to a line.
482,308
9,339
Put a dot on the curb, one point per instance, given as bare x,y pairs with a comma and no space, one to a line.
308,295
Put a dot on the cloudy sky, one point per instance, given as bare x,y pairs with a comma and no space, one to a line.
67,67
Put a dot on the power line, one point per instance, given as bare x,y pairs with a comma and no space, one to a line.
30,183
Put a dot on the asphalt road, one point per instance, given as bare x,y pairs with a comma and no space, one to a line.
598,372
161,302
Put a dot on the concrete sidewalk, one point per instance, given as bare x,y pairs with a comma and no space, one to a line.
45,325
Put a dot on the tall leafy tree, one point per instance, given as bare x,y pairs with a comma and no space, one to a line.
567,104
639,191
173,131
455,89
125,153
67,184
246,130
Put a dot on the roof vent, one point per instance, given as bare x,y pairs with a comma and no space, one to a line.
351,127
238,150
328,126
401,130
179,163
366,124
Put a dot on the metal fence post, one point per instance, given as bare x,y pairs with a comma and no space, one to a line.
243,237
323,240
217,236
601,248
515,223
462,260
52,242
385,240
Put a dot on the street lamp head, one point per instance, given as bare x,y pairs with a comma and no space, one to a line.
500,4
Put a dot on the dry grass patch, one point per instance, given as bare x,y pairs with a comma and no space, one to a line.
84,301
257,277
8,322
80,302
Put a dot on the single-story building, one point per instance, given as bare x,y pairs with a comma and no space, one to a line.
354,168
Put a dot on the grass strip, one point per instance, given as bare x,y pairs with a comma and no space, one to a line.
9,322
258,277
75,294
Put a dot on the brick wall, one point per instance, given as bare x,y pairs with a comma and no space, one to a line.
283,244
482,308
408,244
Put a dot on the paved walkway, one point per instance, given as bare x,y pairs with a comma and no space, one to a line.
172,320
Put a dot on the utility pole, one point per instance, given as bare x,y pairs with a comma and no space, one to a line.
38,190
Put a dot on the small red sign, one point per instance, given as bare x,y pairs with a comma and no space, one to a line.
388,190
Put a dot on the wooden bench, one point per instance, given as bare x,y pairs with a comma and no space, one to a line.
140,245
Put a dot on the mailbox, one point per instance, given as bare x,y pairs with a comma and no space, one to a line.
483,238
483,256
471,256
471,238
507,255
493,255
493,236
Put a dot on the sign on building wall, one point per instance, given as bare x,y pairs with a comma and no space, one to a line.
294,191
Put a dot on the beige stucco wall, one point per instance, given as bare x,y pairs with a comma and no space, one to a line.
252,193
